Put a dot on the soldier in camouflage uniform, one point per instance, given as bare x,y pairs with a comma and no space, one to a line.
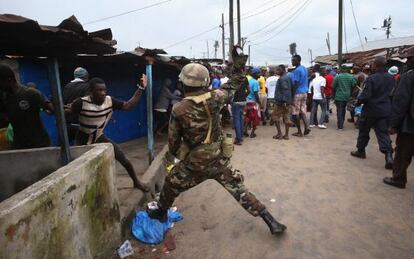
196,138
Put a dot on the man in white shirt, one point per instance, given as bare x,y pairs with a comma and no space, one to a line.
271,84
271,88
317,85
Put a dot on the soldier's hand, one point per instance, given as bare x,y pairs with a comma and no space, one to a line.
219,92
143,81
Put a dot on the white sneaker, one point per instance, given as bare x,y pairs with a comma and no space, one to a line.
312,126
322,126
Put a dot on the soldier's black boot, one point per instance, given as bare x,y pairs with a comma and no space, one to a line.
389,161
158,213
274,226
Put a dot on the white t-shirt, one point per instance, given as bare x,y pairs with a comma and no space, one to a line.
316,84
271,86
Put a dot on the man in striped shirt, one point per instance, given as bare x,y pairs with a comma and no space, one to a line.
94,112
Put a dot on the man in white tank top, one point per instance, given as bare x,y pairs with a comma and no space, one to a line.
95,111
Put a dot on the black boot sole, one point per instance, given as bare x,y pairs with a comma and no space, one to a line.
359,156
395,184
279,230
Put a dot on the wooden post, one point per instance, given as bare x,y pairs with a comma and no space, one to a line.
340,31
53,69
150,130
231,26
222,39
239,37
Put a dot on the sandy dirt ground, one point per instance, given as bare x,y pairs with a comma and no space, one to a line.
335,205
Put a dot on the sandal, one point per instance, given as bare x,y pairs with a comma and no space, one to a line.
297,134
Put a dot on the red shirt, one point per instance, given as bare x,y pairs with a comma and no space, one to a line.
329,83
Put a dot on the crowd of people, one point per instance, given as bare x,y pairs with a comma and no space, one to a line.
375,96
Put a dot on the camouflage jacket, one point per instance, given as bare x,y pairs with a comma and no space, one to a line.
189,123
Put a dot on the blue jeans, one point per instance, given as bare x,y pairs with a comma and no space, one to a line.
315,105
237,112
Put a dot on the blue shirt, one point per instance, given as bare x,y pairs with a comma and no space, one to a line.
216,83
291,76
254,88
300,75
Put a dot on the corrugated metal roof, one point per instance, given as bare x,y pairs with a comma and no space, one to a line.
25,37
386,43
393,50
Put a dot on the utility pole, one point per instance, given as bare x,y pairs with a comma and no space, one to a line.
208,53
231,26
216,46
239,38
249,55
387,25
311,58
328,43
340,30
222,39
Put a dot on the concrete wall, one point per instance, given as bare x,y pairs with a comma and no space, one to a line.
71,213
22,168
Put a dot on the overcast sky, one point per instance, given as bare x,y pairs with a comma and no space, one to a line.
268,25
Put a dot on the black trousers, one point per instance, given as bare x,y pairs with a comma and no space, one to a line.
380,126
340,113
404,153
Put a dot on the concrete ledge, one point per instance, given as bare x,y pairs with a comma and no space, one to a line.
71,213
154,178
21,168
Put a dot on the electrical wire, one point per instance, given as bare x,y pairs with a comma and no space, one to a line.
215,27
293,18
260,12
261,6
286,17
267,25
192,37
356,24
121,14
285,22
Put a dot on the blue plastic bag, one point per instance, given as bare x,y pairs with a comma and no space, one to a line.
151,231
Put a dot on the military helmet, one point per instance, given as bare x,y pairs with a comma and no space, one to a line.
195,75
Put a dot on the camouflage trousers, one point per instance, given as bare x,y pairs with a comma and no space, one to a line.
181,179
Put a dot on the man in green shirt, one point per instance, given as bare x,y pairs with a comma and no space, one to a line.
343,86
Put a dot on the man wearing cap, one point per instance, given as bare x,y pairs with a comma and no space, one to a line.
402,123
376,101
76,88
343,85
395,72
195,137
